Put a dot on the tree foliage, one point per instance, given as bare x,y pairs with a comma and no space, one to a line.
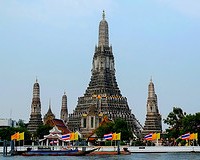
181,123
174,120
5,133
42,130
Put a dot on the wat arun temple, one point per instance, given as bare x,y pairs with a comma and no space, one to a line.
102,96
102,99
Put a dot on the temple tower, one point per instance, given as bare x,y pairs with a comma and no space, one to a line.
64,110
49,115
102,97
153,118
35,117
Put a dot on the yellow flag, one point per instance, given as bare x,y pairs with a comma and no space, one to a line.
21,136
118,136
76,136
158,136
196,136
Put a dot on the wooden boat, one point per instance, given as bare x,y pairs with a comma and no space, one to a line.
124,152
49,152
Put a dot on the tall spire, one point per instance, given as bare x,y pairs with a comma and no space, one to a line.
151,90
36,90
153,121
35,117
64,110
103,32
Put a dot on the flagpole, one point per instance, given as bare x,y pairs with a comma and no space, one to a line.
156,141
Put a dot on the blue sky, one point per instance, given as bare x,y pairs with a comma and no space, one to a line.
55,41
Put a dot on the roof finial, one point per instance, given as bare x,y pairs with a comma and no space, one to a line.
151,79
103,15
49,103
36,79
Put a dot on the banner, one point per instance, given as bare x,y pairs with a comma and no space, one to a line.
21,136
194,136
185,136
70,136
108,136
148,136
66,136
15,136
152,136
116,136
76,136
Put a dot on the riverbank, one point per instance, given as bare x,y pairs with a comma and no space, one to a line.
164,149
132,149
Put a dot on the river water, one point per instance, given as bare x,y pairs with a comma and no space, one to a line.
133,156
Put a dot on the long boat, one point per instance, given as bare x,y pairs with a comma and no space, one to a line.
49,152
125,151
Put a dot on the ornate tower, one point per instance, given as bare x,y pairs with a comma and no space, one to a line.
102,97
35,117
153,118
64,110
49,115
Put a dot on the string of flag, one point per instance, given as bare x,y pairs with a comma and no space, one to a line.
189,136
152,136
70,136
17,136
112,136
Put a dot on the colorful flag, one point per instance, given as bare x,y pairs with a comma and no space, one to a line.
158,136
108,136
148,136
118,136
15,136
154,136
194,136
21,136
185,136
72,135
114,136
66,136
76,136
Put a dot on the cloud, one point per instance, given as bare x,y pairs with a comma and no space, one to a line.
189,8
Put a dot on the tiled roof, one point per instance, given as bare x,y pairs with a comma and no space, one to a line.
59,123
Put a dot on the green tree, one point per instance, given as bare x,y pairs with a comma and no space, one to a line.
175,122
21,123
42,130
121,126
105,129
8,131
191,123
